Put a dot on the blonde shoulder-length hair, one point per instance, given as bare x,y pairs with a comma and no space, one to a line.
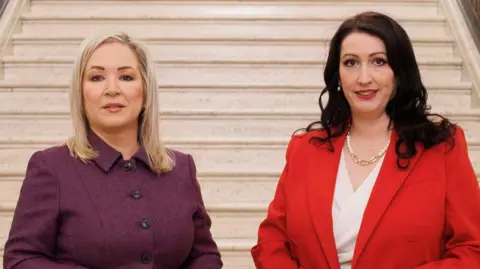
161,159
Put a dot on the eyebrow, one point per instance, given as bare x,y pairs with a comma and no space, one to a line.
103,68
371,54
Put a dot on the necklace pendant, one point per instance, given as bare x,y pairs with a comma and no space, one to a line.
364,163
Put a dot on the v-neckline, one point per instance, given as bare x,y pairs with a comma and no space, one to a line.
345,194
348,180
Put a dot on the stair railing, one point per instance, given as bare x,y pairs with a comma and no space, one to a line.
471,11
3,5
10,15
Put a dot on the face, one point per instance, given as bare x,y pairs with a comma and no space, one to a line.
365,75
112,88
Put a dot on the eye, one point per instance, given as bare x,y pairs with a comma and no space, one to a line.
379,61
126,78
96,78
349,62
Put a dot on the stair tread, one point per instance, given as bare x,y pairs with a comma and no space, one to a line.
10,141
140,17
248,112
425,60
234,245
460,85
219,207
21,37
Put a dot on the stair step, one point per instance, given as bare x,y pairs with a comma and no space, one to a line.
198,74
240,188
235,254
205,124
218,50
210,156
234,9
38,101
229,222
60,26
180,126
25,86
236,187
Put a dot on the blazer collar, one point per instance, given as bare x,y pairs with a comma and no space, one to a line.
323,167
108,156
321,185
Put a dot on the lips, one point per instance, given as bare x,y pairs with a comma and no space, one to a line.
113,105
366,92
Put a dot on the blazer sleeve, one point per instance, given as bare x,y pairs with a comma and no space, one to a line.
272,251
204,253
32,237
462,209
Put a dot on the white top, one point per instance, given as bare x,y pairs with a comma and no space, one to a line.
348,208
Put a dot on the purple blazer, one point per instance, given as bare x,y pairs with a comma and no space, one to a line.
109,214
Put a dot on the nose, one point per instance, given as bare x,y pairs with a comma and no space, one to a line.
111,87
364,76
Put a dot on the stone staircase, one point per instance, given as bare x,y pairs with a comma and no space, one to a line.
236,79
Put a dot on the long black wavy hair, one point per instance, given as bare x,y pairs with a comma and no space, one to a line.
407,110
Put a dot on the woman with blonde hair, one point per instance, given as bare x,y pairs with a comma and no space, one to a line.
113,196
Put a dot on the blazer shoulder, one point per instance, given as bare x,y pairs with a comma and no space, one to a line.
184,162
53,154
306,137
455,144
459,140
310,134
47,161
458,133
179,156
299,141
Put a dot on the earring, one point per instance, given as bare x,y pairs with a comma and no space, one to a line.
339,88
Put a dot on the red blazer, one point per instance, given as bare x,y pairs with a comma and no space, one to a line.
425,217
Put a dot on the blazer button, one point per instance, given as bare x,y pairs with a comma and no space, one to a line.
128,166
146,258
136,194
145,224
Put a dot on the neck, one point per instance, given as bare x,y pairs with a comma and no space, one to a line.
124,141
370,126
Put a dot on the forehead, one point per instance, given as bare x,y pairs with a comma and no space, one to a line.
362,44
113,54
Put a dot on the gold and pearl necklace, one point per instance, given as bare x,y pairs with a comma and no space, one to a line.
369,161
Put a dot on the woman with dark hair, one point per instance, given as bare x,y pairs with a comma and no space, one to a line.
377,182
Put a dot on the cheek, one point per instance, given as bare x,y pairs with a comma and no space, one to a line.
134,95
386,80
347,79
92,91
91,96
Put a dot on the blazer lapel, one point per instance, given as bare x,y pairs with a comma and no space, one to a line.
323,167
389,181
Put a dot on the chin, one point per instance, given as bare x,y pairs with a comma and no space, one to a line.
367,110
115,124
